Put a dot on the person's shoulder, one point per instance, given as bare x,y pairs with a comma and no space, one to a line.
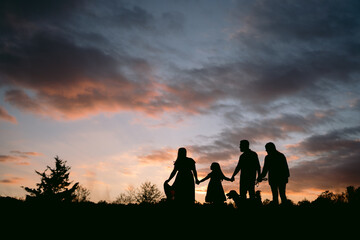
190,160
252,153
281,155
176,163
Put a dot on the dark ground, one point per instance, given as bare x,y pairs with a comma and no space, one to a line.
109,221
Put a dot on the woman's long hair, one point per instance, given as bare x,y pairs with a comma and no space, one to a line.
181,154
215,167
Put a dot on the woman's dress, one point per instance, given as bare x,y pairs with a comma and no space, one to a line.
184,184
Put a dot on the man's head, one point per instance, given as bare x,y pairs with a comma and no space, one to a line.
244,145
270,147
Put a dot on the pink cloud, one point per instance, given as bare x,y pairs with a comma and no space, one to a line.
92,97
11,180
26,153
4,115
18,157
18,160
52,76
159,156
8,158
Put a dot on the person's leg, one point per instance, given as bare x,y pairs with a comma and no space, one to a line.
252,191
243,190
282,191
274,190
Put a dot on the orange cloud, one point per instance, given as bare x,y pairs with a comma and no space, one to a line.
159,156
18,160
291,158
8,158
11,180
26,153
18,157
92,96
89,81
4,115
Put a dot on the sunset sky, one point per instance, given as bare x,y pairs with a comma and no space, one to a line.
116,87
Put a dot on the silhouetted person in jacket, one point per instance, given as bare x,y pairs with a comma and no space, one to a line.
249,165
276,164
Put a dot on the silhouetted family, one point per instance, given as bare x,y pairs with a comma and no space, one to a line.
275,165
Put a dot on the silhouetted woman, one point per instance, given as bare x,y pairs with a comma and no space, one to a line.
184,185
215,191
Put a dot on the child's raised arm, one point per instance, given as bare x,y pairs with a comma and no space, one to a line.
205,178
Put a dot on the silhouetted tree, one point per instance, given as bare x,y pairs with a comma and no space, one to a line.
129,197
146,193
353,195
325,198
54,185
81,194
304,203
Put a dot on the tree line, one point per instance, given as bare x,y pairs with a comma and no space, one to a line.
55,186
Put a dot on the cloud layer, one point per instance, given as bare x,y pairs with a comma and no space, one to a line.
18,157
52,69
6,116
336,164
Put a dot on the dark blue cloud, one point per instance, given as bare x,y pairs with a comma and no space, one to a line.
336,163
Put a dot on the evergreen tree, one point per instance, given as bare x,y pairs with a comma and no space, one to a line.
54,185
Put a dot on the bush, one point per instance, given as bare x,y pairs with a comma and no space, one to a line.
146,193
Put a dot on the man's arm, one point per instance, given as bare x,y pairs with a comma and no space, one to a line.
264,171
258,168
286,167
237,169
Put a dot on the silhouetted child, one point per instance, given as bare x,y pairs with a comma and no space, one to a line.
215,192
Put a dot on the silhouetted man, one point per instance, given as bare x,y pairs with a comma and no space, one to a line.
276,165
249,165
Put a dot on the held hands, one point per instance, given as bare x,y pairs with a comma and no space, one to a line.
197,181
232,179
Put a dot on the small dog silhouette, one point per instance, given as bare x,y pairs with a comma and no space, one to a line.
233,195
